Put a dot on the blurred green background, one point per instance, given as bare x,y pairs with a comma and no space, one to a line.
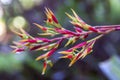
15,14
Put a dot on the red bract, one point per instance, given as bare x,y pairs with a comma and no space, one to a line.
19,50
78,30
44,29
76,52
35,47
50,16
63,31
44,68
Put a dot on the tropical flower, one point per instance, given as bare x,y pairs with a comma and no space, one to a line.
78,51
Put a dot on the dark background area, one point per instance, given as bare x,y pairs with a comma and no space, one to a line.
23,13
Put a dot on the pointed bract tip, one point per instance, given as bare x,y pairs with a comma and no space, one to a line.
44,68
41,57
64,52
72,62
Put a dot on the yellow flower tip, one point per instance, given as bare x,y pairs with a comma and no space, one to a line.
71,41
74,13
64,52
74,41
63,57
72,22
67,14
51,17
72,62
71,17
37,59
51,64
22,30
44,29
13,46
46,9
16,43
50,12
27,44
40,57
38,25
46,34
41,48
43,73
84,54
17,33
68,43
24,40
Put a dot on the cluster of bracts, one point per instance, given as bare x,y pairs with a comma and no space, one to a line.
50,45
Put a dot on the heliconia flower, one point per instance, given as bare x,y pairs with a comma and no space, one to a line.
58,34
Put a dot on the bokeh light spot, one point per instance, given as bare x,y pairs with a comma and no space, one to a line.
2,29
19,22
27,4
6,2
1,12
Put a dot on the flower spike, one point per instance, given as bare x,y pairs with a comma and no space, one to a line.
58,34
